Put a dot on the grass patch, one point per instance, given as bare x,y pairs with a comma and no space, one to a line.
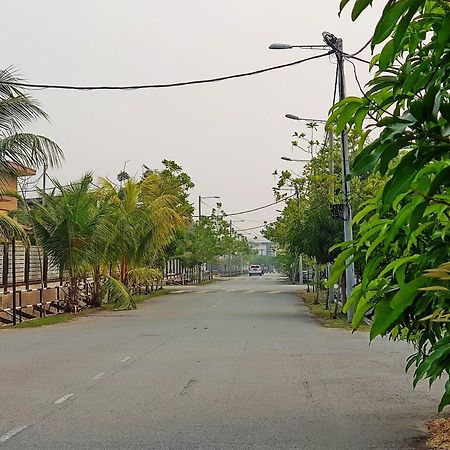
44,321
326,316
67,317
211,281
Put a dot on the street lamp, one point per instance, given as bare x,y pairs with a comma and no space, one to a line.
278,46
311,123
200,197
336,45
294,117
286,158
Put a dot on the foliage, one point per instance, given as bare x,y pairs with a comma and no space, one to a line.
114,235
403,236
67,226
19,149
143,222
172,180
306,225
208,239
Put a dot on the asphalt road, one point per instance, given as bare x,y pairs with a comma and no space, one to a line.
234,365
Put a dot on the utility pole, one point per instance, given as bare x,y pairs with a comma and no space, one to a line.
337,45
229,250
199,208
44,177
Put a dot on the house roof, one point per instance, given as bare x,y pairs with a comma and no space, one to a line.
16,169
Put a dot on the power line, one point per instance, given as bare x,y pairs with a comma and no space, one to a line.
362,48
260,207
252,228
372,102
161,85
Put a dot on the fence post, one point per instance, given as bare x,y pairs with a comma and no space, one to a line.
14,292
41,301
45,270
27,268
5,268
20,304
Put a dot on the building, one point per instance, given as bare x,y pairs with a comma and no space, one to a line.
262,246
8,184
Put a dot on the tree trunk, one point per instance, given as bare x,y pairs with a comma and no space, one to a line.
96,287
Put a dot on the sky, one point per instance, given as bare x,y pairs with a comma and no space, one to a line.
227,136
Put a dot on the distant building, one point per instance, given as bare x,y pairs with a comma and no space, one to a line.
8,184
263,246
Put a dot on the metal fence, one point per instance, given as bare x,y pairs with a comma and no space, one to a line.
31,287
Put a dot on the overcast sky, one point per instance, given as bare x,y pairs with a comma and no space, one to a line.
228,136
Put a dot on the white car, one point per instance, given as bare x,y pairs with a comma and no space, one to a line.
255,269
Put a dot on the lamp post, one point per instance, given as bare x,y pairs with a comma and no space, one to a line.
311,123
200,197
229,250
286,158
336,45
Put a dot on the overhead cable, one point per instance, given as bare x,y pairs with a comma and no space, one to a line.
261,207
162,85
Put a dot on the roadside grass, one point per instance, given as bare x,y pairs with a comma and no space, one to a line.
44,321
67,317
211,281
326,316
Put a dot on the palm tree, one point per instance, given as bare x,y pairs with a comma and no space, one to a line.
19,149
68,227
144,224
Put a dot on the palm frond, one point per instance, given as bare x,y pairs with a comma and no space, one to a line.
11,229
117,293
16,112
26,149
143,276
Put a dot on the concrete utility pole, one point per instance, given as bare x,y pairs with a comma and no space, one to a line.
336,45
199,208
348,232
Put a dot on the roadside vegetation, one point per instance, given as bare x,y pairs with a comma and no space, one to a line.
117,236
399,134
328,315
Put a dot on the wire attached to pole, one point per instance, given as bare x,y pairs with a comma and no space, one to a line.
162,85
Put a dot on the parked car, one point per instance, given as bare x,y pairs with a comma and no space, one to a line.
255,269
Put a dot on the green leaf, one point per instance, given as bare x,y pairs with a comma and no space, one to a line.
387,55
361,214
443,38
359,117
406,295
391,13
359,7
401,300
445,400
364,305
401,179
342,5
346,114
367,159
382,312
416,215
339,265
404,22
374,245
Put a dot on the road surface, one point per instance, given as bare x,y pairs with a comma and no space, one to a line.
238,364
